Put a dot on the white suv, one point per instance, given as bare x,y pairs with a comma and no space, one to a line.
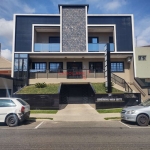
13,110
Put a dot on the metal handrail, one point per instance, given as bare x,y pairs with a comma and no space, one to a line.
123,83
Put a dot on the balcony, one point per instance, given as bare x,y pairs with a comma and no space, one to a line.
99,47
47,47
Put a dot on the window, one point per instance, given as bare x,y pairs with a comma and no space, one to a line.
39,66
55,67
93,40
7,103
54,39
141,58
95,66
117,66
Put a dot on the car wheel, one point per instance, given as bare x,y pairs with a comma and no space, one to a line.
142,120
12,120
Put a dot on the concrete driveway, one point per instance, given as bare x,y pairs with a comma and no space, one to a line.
79,112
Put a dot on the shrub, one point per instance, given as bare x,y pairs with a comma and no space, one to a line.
40,85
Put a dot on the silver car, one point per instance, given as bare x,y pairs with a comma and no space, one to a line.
139,113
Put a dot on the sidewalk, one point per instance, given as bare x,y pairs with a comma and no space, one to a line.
77,112
76,118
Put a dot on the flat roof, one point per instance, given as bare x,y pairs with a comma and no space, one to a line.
73,5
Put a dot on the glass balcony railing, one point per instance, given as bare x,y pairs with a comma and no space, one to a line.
99,47
47,47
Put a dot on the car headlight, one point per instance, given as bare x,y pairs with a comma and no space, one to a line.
131,112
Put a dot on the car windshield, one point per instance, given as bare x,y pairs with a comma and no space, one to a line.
145,103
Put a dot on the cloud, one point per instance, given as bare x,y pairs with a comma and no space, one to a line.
28,9
6,53
107,5
142,31
6,29
115,4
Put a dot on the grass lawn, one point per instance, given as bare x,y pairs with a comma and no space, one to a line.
115,118
100,89
49,89
114,110
43,111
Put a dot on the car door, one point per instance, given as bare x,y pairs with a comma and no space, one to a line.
6,106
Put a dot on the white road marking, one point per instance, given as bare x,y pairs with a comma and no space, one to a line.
124,124
39,125
134,127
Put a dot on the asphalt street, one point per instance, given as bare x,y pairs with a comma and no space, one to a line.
47,135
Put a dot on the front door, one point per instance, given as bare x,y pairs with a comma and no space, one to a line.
74,70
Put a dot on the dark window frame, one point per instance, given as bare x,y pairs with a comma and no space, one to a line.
141,56
96,70
61,70
91,40
116,65
39,65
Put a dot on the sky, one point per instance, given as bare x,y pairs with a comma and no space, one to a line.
139,8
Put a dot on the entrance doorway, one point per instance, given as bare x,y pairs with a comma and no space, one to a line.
74,70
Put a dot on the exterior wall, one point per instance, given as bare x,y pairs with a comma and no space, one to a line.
126,74
123,29
142,67
89,77
134,85
23,33
103,37
43,37
73,29
6,84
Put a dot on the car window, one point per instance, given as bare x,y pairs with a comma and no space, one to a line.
22,102
7,103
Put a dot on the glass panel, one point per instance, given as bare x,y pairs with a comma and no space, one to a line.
22,102
56,67
16,65
7,103
95,66
94,40
117,67
41,67
20,65
25,65
16,55
23,55
46,47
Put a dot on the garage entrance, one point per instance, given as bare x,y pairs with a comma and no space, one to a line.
76,94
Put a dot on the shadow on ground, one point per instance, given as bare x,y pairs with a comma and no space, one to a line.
30,121
132,124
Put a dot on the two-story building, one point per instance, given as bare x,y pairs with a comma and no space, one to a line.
69,47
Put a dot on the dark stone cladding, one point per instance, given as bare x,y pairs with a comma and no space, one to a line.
123,29
73,29
23,33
